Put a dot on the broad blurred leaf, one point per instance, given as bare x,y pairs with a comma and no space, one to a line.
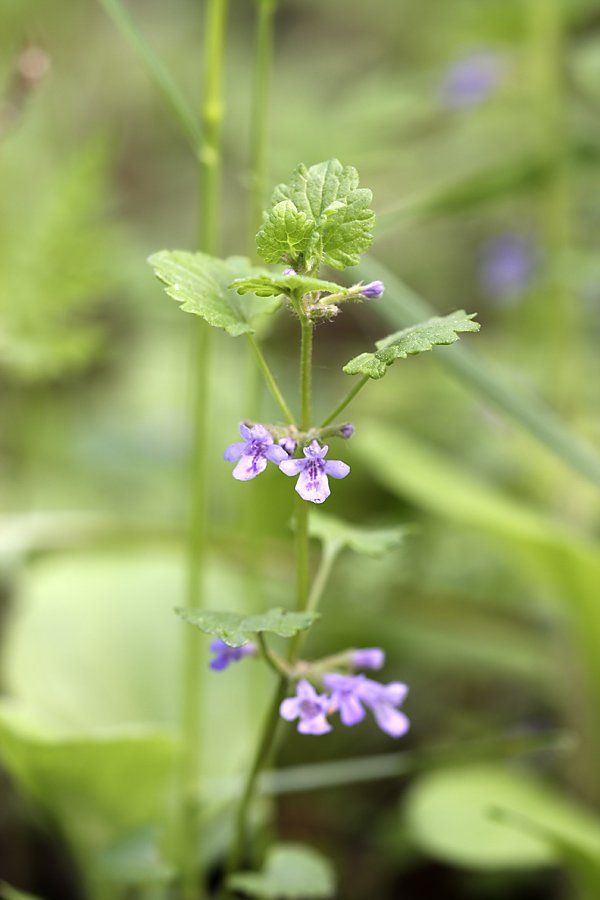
79,781
134,860
372,542
272,285
328,195
439,330
450,815
285,234
200,283
236,630
54,246
291,872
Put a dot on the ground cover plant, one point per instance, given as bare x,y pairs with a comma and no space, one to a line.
367,663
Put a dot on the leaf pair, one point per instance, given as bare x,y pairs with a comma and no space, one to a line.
320,216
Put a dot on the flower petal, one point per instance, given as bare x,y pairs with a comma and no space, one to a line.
275,453
292,466
220,662
336,468
305,691
260,433
250,465
315,725
290,709
315,450
351,710
312,485
395,692
245,432
234,451
391,720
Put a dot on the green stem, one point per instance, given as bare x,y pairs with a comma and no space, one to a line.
305,373
157,71
268,375
328,557
212,117
259,129
261,757
348,399
192,668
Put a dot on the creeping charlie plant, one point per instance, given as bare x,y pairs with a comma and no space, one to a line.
321,218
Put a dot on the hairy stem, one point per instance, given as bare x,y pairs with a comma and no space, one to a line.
269,378
158,72
191,687
347,399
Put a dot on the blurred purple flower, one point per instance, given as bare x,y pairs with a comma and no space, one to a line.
253,452
313,470
348,693
468,81
289,271
345,696
382,700
372,290
308,706
368,658
225,655
508,263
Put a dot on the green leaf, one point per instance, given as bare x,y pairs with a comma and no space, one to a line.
452,816
134,860
291,872
439,330
328,195
285,234
236,630
272,285
201,284
371,542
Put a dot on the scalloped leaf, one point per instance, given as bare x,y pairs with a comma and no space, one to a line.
291,872
236,630
286,233
328,195
273,285
418,338
200,283
370,542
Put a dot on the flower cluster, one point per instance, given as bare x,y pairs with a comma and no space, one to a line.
258,446
349,694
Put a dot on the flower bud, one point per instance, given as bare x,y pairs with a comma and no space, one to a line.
289,272
372,290
347,430
368,658
288,444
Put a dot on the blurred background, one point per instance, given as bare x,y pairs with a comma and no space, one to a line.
476,123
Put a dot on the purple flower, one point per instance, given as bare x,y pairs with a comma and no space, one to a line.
348,693
313,471
347,430
308,706
382,700
345,696
372,290
226,655
470,80
288,444
508,263
289,271
368,658
253,452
